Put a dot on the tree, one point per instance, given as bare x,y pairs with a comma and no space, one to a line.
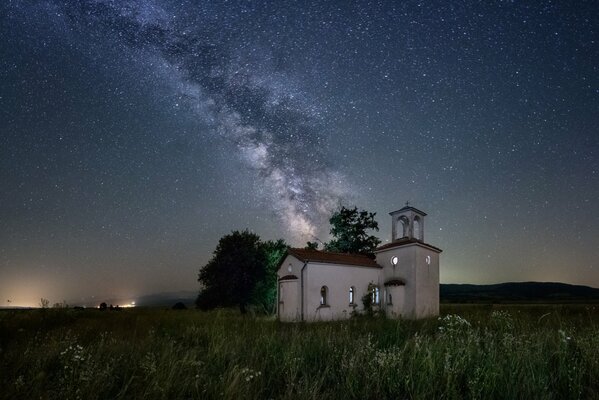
265,292
348,227
229,278
311,246
44,303
61,305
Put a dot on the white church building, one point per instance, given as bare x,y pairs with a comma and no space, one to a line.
403,277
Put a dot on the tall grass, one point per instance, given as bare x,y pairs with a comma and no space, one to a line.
479,352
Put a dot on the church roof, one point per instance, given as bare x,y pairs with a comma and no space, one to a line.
408,208
310,255
404,241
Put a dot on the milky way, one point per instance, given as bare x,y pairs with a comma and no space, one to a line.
136,133
233,87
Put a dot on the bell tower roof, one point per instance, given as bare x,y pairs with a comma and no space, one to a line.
407,223
407,228
408,208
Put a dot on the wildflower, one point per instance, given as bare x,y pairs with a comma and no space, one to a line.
20,382
250,374
563,337
453,324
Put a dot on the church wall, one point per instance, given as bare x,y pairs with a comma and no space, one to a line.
288,306
289,296
395,308
296,267
427,283
338,279
421,292
403,271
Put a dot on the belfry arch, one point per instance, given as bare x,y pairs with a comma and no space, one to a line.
408,222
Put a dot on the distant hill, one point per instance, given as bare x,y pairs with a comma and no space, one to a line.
509,292
513,292
167,299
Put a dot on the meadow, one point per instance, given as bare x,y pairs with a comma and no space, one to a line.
470,351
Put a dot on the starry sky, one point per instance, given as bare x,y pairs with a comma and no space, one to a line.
134,134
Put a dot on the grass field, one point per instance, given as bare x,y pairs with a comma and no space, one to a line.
472,351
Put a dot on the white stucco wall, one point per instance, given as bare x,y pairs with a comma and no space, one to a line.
421,290
396,308
289,292
403,271
427,283
288,305
338,279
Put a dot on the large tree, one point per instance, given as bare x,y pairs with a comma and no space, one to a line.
349,228
242,271
265,292
229,278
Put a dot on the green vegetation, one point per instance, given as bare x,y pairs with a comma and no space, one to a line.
264,294
349,230
241,272
472,351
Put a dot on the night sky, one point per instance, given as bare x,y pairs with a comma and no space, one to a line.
134,134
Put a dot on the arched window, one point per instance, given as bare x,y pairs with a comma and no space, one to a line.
352,293
389,299
324,291
376,295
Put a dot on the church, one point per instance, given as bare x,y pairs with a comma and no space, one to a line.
402,280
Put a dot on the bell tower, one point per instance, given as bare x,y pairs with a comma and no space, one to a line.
408,223
410,267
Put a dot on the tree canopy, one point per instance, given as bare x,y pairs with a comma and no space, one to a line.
242,271
349,228
264,295
311,246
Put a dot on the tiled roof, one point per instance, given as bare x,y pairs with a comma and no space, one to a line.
404,241
309,255
408,208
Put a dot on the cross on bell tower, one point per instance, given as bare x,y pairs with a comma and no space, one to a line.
407,223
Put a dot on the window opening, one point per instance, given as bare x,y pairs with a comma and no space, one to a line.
323,296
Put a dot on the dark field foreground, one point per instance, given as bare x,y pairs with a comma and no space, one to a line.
473,351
